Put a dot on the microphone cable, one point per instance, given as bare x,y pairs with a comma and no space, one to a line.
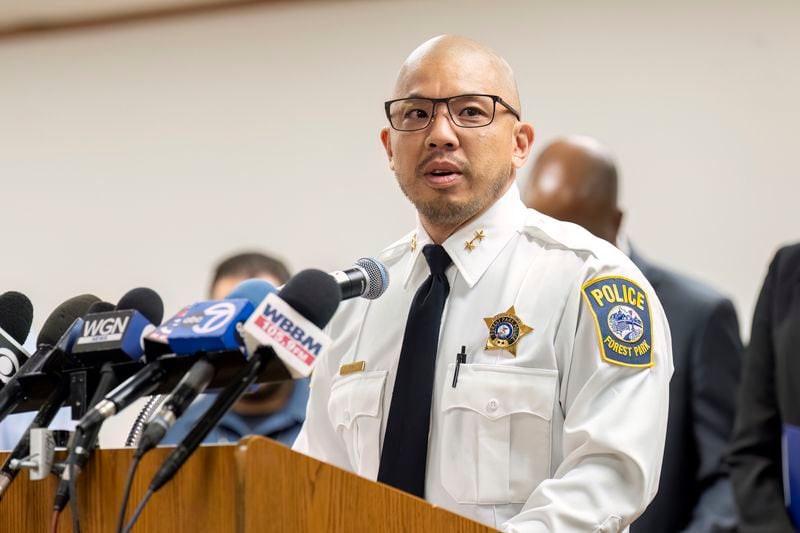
126,492
244,378
138,511
68,491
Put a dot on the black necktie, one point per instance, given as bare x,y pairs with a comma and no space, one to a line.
405,444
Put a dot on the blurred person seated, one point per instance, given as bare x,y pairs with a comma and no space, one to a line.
765,452
575,180
275,410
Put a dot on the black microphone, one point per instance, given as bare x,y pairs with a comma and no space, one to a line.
367,277
58,331
16,317
43,417
311,293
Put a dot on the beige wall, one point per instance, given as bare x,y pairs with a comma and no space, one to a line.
139,154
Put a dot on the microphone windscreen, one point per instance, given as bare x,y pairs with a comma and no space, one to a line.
101,307
62,318
378,277
252,290
16,315
146,301
314,294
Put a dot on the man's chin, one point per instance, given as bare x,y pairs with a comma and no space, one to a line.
446,212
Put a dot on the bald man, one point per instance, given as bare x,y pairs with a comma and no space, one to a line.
516,370
575,179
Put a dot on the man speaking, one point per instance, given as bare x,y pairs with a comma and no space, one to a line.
516,371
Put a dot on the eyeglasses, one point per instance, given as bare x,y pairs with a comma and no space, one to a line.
466,111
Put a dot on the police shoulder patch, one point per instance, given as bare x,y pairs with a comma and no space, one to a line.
621,312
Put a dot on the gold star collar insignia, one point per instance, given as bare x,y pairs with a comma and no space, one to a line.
470,244
505,330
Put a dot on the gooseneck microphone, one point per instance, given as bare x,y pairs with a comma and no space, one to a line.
16,317
368,278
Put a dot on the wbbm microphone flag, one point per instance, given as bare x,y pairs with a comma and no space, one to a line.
296,341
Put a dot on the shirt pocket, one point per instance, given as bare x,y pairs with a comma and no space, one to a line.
355,408
496,432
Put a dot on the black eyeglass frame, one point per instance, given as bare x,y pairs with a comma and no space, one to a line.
446,102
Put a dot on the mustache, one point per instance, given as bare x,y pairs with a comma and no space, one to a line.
443,156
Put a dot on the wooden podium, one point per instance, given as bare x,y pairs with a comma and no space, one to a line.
254,486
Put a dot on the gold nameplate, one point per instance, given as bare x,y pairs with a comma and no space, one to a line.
352,368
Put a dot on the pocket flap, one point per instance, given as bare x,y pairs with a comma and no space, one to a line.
496,391
356,395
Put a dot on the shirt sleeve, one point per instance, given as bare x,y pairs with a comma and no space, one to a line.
615,418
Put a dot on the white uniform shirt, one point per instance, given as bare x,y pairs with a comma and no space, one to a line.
553,439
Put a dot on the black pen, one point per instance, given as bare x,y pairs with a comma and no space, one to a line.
460,358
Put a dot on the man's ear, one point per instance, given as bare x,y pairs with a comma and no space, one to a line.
387,145
523,142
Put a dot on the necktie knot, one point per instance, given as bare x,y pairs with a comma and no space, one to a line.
437,258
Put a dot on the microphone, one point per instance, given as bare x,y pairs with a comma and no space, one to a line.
108,337
58,330
16,317
119,336
288,322
314,297
198,377
367,278
46,412
116,336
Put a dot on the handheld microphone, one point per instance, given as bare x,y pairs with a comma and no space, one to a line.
198,377
56,332
368,278
280,322
314,298
16,317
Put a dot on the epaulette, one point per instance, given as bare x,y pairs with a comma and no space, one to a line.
558,233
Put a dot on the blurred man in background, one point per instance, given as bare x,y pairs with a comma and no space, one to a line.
575,180
271,410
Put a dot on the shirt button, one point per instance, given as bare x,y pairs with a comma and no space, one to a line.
492,405
347,417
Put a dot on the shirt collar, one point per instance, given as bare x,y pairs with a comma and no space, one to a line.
475,245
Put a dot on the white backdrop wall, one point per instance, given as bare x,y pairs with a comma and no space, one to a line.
140,154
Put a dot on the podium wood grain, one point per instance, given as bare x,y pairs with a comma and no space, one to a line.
290,492
255,486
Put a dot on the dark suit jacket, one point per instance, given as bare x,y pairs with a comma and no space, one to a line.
769,397
694,492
